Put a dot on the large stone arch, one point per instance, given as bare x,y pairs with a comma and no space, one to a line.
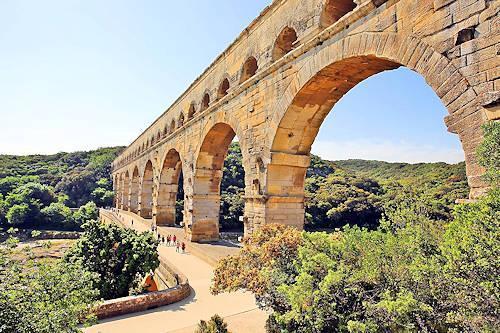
204,204
168,185
146,192
324,77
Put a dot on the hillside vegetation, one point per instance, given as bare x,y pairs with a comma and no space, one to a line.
39,190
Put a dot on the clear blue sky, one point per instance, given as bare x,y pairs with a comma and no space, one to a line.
77,75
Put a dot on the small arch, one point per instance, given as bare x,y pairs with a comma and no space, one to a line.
284,43
191,111
172,126
165,130
223,88
249,69
205,102
181,120
333,10
158,136
126,191
134,191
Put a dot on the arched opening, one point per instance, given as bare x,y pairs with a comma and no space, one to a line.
169,190
223,88
165,130
203,223
158,136
191,111
284,43
146,203
299,127
125,200
249,69
172,126
205,102
333,10
181,120
134,192
117,190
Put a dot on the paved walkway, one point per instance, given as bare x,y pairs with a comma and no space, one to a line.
238,309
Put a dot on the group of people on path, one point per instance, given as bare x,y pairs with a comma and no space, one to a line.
171,240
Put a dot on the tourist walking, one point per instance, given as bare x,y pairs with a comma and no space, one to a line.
168,240
174,239
177,247
163,240
183,246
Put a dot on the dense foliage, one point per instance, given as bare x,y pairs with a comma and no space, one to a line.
489,152
39,297
37,191
422,276
34,205
414,273
119,257
80,177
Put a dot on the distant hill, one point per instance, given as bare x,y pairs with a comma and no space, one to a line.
384,171
74,174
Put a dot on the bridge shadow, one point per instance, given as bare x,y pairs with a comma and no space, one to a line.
222,243
175,307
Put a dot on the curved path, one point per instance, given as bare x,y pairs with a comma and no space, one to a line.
238,309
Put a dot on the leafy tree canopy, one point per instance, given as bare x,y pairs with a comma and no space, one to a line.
118,256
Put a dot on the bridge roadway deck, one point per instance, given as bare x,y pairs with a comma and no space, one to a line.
238,309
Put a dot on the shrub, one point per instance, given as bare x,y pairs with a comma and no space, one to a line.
215,325
86,213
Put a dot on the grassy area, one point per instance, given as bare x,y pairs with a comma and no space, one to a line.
43,250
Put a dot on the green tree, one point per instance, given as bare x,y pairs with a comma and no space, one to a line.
24,204
103,197
58,214
18,214
117,255
9,183
86,213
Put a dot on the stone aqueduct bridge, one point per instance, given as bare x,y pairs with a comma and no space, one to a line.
276,83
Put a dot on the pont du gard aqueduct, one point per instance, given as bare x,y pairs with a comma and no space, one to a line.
275,84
